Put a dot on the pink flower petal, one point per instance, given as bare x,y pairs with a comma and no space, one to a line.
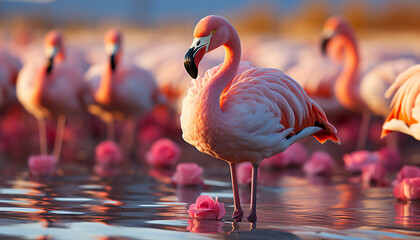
163,153
320,162
207,208
408,172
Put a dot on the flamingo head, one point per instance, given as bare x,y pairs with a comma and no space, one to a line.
53,48
336,31
113,39
210,33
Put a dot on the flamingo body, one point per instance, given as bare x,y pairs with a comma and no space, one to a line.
9,69
263,109
132,92
50,95
120,91
240,113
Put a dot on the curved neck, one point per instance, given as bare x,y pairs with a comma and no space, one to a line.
346,88
209,98
103,94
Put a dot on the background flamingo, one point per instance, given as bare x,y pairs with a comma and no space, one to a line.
120,91
363,94
240,113
9,69
54,90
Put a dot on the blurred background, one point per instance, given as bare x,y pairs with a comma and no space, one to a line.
284,16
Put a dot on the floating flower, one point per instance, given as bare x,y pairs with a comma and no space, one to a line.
207,208
319,163
188,174
295,155
108,153
244,173
163,153
408,172
373,173
42,165
408,188
356,160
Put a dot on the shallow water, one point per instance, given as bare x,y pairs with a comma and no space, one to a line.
141,203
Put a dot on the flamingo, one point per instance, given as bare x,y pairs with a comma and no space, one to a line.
9,69
405,106
54,90
362,94
240,113
120,91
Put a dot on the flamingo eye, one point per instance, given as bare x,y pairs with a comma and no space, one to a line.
198,43
213,32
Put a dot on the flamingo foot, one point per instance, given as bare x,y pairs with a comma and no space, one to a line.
252,216
237,215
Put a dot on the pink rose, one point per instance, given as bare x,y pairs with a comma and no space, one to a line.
408,172
204,226
188,174
42,165
163,153
295,155
207,208
408,188
373,173
356,160
108,153
320,162
277,161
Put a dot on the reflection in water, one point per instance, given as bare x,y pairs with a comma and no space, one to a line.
204,226
145,201
187,194
407,213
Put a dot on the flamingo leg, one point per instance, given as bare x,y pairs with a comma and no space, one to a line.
253,214
111,130
364,130
58,144
238,213
42,137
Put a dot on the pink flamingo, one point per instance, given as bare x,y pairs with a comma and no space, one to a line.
120,92
9,69
405,113
361,94
54,90
239,113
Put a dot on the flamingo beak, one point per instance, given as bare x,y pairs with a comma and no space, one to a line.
50,51
326,37
192,59
112,50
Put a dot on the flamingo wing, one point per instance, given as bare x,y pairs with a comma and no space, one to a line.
405,112
266,102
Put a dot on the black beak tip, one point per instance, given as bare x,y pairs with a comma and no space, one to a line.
324,45
189,64
50,64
